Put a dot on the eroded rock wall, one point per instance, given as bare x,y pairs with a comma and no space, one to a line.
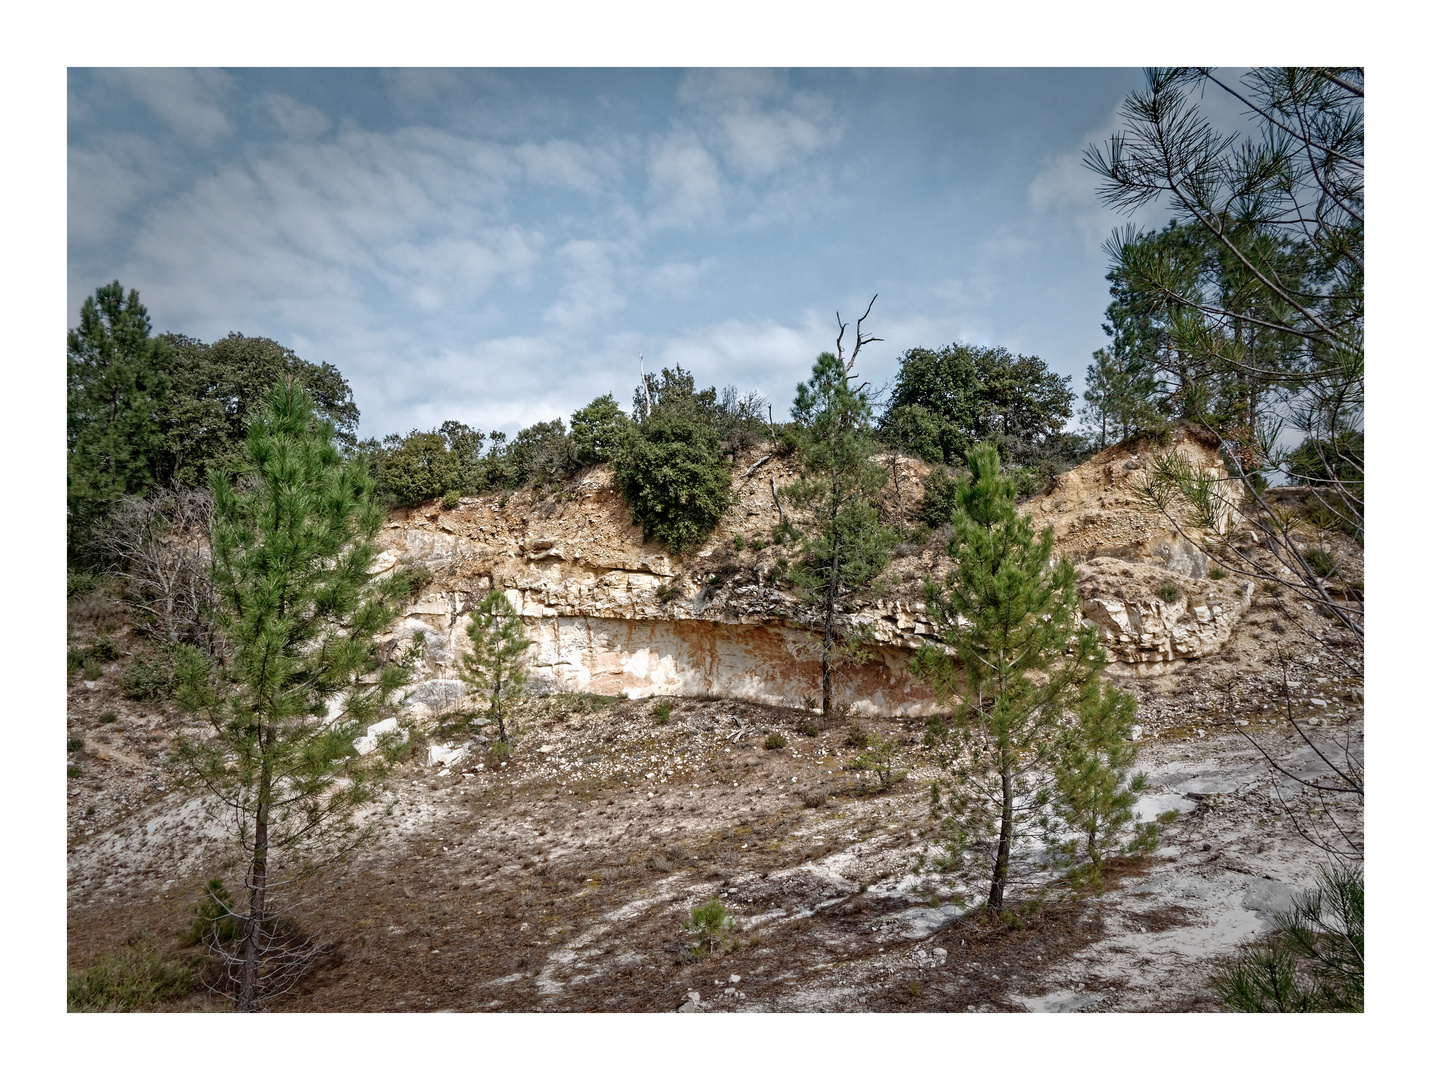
612,614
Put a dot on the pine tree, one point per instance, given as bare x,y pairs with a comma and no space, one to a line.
116,392
496,668
297,610
847,547
1017,659
1096,789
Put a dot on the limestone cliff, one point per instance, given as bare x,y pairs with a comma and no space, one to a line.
612,614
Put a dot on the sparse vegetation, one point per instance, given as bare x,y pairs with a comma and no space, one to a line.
140,977
776,741
1169,592
662,711
881,761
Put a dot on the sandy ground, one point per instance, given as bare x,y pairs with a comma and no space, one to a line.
564,880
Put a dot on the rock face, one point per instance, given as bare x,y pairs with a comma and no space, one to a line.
611,614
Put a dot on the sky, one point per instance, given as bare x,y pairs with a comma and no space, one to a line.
502,246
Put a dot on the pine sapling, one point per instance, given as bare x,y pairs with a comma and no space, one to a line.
1095,791
496,668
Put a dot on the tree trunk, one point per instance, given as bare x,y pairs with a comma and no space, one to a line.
829,643
1006,833
248,978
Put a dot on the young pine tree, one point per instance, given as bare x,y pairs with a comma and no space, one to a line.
1095,790
297,610
496,668
847,547
1017,660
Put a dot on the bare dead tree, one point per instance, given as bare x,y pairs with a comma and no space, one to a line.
1336,790
159,547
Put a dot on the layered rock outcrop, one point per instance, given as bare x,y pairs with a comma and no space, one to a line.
612,614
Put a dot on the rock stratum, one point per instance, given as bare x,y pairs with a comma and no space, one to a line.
612,614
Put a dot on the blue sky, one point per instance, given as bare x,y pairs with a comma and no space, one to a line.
499,246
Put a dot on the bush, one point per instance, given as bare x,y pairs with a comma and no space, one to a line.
215,922
109,716
711,923
1314,960
147,679
419,576
809,728
79,582
74,744
92,670
1169,592
738,542
1320,560
776,741
857,737
672,474
103,649
137,978
880,760
938,505
1217,573
662,712
451,500
596,430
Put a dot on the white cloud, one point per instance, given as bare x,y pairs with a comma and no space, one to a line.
760,127
562,163
296,120
108,181
589,296
685,185
679,279
187,99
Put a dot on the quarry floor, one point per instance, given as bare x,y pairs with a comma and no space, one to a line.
563,881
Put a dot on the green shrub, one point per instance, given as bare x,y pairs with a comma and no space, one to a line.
596,430
712,924
500,751
147,679
103,649
881,761
1314,959
938,506
74,744
451,500
674,478
92,670
738,542
137,978
1320,560
1217,573
1169,592
776,741
857,737
419,576
74,662
662,712
214,920
74,772
1269,588
809,728
79,582
109,716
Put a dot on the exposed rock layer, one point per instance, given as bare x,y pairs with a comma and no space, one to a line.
612,614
